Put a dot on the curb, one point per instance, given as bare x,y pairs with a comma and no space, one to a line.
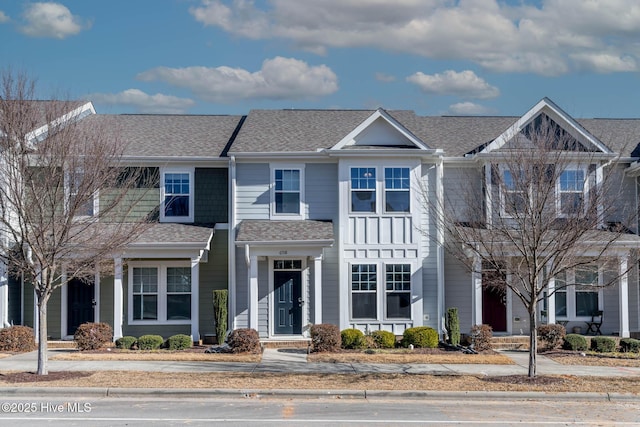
309,394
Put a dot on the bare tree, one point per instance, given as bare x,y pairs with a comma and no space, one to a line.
540,206
66,197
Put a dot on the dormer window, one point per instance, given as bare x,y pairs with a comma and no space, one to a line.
570,192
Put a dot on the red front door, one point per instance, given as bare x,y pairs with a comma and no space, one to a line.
494,309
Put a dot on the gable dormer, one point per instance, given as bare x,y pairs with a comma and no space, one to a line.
380,130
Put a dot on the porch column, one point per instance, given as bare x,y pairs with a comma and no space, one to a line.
317,290
64,305
195,299
551,301
476,281
4,296
623,298
117,298
253,292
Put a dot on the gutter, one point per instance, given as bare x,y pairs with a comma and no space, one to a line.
297,243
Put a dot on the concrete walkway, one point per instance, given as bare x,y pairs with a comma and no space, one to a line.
295,361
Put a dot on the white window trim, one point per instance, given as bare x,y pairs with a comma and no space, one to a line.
162,292
571,297
585,189
68,176
185,219
381,291
504,191
385,189
375,190
302,211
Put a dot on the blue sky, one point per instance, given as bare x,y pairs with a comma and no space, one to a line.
478,57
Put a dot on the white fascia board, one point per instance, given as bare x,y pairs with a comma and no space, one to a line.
279,155
174,161
556,113
380,113
77,113
296,243
387,152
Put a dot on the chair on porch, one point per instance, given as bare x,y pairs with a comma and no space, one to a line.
596,322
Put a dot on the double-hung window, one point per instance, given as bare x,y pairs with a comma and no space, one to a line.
364,291
570,192
513,193
287,191
177,196
577,293
363,189
81,201
159,293
398,291
396,189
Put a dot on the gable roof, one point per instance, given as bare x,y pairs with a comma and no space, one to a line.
163,136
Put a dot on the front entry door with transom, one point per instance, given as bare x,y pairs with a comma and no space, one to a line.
288,302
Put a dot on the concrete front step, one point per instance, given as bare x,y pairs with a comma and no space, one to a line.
303,343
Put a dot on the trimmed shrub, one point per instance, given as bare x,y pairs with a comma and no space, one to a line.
420,336
178,342
352,339
244,340
630,345
325,337
574,342
92,336
481,337
150,342
126,342
383,339
220,298
552,336
452,324
17,338
603,344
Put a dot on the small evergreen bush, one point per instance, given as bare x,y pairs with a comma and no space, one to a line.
453,326
178,342
481,337
244,340
352,339
220,298
574,342
325,337
420,336
92,336
630,345
552,336
384,339
17,338
150,342
603,344
126,342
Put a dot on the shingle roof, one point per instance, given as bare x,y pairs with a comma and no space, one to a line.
284,231
175,234
167,135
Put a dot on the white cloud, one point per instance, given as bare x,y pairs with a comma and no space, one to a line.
51,20
279,78
548,37
386,78
464,84
143,102
3,17
469,109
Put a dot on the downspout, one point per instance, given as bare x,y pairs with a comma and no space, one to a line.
231,321
440,244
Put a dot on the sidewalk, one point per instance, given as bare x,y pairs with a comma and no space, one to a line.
295,361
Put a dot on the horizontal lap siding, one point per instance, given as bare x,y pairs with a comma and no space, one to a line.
427,234
263,299
252,191
458,291
213,276
321,191
241,291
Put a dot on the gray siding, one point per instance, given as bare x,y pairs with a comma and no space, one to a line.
429,267
106,299
54,309
242,288
621,200
211,192
330,284
263,299
252,191
458,291
213,276
321,190
459,184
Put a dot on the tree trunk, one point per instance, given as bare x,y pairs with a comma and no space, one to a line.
533,342
43,365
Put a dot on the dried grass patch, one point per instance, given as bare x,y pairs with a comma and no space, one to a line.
245,381
160,355
3,355
406,356
629,360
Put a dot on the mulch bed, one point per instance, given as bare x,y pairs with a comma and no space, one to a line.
32,377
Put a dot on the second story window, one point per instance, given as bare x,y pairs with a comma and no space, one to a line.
177,196
514,198
363,189
570,192
81,201
396,190
287,191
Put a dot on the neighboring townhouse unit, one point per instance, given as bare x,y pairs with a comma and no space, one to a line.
335,216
